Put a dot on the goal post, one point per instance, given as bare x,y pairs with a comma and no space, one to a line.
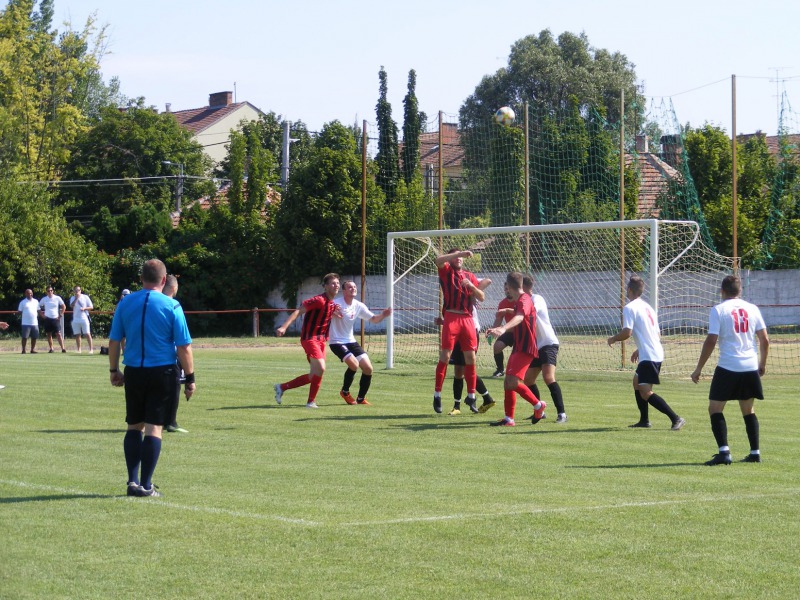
579,268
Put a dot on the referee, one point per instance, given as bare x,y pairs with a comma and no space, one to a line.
153,328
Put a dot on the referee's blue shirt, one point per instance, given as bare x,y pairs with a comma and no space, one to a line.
152,325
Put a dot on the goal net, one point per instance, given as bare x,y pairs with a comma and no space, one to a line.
581,270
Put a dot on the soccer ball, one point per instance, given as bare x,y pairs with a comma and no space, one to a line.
505,116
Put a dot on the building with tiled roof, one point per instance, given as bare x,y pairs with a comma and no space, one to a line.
452,155
211,125
655,176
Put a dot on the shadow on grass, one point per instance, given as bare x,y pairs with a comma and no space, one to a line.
114,431
54,497
639,466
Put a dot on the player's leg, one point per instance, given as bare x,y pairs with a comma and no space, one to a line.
751,426
448,340
648,373
317,370
458,380
366,378
351,362
641,404
720,430
497,350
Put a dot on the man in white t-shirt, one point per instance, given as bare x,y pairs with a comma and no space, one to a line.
29,309
547,344
737,325
640,320
81,304
52,308
343,343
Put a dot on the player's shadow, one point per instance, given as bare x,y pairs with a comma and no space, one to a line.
537,430
638,466
358,417
53,497
114,431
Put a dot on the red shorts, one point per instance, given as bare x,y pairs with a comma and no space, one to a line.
518,363
461,329
314,348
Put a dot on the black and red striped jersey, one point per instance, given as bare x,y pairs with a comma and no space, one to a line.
454,296
317,320
525,332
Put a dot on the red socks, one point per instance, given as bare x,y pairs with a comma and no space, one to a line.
441,371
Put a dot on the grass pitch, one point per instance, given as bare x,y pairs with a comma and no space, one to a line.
390,500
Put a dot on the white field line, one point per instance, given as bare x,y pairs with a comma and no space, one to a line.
420,519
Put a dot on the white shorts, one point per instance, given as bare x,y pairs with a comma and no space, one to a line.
80,327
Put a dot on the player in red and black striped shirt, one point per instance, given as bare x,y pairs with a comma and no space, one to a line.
523,325
318,312
459,288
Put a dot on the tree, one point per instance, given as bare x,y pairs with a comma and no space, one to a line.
387,157
48,86
412,127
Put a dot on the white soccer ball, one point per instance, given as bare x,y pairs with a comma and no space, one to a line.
505,116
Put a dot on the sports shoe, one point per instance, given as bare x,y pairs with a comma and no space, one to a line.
504,422
454,412
278,393
176,429
347,397
34,352
311,404
151,493
561,418
63,351
91,351
50,351
539,414
751,458
473,405
133,489
498,373
641,425
486,406
535,419
678,424
363,402
437,404
723,458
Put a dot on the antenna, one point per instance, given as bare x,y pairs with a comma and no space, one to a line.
778,81
234,92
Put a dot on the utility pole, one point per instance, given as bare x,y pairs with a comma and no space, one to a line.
178,185
287,142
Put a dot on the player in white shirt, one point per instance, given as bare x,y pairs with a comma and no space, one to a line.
737,325
640,320
547,344
343,343
52,308
81,304
29,309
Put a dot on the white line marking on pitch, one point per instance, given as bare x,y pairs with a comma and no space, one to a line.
400,521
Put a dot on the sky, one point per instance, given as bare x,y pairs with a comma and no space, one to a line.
318,61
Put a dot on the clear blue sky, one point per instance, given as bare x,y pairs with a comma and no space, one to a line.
316,61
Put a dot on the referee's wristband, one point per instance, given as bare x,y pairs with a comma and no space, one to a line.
113,370
189,378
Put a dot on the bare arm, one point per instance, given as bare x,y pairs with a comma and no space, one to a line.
187,362
280,331
477,292
708,347
381,316
446,258
498,331
117,378
763,350
620,337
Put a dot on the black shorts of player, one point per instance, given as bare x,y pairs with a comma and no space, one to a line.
732,385
149,392
342,350
507,338
648,372
52,326
547,356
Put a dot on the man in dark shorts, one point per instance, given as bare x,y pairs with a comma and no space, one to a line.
52,309
737,325
157,335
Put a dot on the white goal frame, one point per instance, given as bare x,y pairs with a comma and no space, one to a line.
652,278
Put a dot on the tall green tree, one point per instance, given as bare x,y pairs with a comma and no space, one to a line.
387,156
412,127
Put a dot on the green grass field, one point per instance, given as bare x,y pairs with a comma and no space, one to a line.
390,500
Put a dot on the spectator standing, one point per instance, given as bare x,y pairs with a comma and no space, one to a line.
29,309
737,325
52,308
157,335
81,304
171,290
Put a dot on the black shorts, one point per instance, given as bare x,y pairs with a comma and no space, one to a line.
648,372
732,385
149,393
342,350
507,338
547,356
52,326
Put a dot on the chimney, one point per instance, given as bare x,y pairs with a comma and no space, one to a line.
168,107
642,144
671,149
219,99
